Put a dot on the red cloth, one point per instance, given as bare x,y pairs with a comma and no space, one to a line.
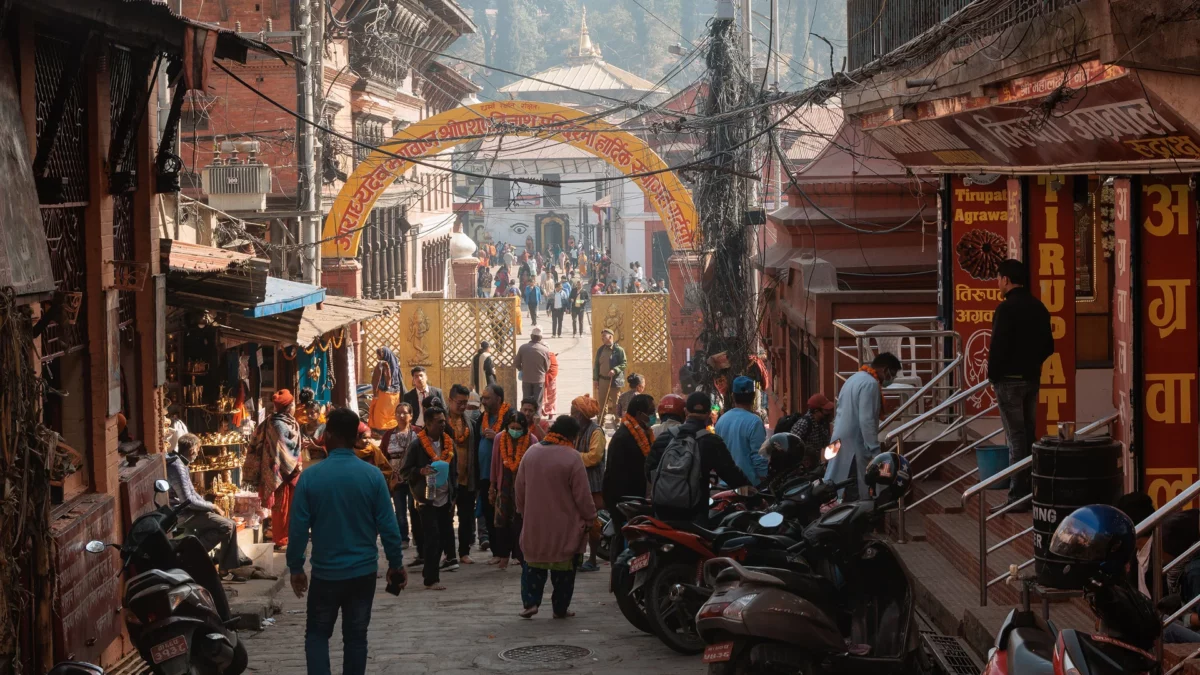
281,513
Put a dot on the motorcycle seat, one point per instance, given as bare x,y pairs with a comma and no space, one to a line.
1030,652
693,528
808,586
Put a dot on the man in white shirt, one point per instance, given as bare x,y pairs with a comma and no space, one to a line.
421,390
178,428
558,309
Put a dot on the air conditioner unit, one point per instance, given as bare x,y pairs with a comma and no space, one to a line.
233,184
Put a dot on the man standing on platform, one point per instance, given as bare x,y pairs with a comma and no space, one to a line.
608,373
533,361
1021,342
464,425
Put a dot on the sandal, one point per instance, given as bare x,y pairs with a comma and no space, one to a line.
528,612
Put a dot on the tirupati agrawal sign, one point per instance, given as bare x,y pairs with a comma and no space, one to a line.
427,138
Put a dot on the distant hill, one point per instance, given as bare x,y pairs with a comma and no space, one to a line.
527,36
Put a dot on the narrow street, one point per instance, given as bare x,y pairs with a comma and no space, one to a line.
465,628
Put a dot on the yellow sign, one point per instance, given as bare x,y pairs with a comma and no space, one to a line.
427,138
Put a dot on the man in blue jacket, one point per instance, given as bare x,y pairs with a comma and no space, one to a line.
743,431
345,503
533,298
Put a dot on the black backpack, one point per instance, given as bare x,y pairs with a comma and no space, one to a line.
679,482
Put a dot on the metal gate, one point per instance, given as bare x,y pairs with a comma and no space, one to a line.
639,323
443,335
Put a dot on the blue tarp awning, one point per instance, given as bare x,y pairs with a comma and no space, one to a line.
283,296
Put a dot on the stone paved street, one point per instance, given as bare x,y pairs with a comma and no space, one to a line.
464,628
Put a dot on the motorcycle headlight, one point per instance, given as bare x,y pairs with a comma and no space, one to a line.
737,608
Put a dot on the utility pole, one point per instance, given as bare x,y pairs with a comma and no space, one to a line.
776,176
306,184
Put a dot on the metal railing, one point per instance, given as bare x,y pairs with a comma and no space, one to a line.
985,517
931,358
1153,525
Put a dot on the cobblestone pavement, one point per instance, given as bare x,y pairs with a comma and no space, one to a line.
463,629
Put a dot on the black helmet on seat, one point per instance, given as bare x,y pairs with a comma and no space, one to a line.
1096,538
888,477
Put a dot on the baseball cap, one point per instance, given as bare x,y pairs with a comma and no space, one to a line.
607,330
820,402
743,385
699,403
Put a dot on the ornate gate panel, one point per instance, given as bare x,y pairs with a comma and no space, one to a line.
639,321
443,335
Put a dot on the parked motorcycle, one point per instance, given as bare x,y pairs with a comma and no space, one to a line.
175,607
851,610
76,668
631,602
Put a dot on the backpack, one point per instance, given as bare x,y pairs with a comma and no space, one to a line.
678,481
785,423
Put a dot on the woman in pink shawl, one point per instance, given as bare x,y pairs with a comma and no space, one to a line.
550,398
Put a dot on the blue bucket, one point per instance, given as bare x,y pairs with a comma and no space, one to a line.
992,460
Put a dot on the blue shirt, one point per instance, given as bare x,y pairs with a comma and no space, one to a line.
744,434
485,458
533,295
346,504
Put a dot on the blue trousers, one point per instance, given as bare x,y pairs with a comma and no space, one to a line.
533,585
353,597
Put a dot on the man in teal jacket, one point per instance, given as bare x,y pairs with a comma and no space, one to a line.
345,503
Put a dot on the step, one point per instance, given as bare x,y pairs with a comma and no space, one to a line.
941,591
1173,654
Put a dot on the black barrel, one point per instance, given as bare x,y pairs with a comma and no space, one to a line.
1068,474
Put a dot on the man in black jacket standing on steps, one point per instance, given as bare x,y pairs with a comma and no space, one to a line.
1021,341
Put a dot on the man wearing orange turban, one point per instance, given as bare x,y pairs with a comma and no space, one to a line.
590,444
282,442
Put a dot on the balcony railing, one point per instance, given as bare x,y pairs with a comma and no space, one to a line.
877,27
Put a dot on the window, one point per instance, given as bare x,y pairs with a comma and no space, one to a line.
501,192
599,190
368,131
551,194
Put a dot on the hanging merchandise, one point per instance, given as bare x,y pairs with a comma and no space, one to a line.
314,373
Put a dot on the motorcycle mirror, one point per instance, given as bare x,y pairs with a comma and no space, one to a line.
746,491
95,546
162,486
773,519
831,450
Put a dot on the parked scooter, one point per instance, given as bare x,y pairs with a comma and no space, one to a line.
631,602
175,607
1096,542
851,612
76,668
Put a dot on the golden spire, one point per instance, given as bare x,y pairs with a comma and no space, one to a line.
586,48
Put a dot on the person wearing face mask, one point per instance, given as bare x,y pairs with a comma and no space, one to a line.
590,444
856,423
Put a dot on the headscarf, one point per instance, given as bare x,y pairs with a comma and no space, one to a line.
282,399
586,405
395,383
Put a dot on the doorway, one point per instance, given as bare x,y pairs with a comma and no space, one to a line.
551,231
660,252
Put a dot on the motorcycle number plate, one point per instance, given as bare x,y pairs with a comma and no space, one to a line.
639,563
718,653
176,646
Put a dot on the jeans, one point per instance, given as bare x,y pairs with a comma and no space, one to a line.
556,322
532,312
213,529
353,597
534,390
1176,633
1017,400
465,503
402,501
577,322
533,585
438,529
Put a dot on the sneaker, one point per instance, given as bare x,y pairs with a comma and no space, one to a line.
589,566
417,562
449,565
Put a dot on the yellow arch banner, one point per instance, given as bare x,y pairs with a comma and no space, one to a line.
427,138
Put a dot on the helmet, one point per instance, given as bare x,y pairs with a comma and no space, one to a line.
1097,537
888,477
783,452
673,405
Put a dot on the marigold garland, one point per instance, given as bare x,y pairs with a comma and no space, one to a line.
512,454
460,435
869,369
639,434
495,426
447,446
556,439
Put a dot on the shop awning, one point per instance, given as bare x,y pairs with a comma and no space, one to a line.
303,326
212,278
284,296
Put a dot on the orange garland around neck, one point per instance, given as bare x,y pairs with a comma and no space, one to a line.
512,452
556,439
495,426
639,434
869,369
460,435
447,447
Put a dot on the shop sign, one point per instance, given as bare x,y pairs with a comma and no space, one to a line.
1124,342
1016,226
1093,113
1052,278
977,234
1170,429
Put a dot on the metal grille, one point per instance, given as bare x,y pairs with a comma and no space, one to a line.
649,342
64,237
496,318
460,325
68,159
545,653
123,250
950,652
122,98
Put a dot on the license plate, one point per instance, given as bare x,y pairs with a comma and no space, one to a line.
176,646
639,563
721,651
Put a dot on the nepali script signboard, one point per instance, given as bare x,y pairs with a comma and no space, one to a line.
1167,251
1124,343
428,138
977,233
1052,277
